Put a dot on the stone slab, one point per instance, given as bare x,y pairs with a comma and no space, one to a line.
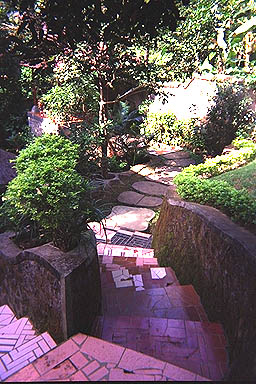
150,188
130,197
150,201
131,218
179,162
177,155
142,169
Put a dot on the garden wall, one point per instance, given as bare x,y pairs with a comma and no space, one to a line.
218,257
59,292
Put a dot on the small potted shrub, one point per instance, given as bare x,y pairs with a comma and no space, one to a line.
49,199
55,278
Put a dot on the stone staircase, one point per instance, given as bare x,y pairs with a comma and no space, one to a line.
145,309
151,329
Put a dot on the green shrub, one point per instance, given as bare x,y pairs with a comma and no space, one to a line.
193,184
168,130
227,117
48,194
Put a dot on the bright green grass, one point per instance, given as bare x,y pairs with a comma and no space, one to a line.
244,177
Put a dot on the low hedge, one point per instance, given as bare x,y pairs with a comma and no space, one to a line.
194,184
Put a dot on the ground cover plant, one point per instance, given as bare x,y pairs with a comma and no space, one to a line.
215,36
49,198
195,183
244,177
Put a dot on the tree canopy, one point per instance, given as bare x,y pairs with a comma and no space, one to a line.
41,28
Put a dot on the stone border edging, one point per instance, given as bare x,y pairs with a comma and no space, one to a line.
221,222
217,256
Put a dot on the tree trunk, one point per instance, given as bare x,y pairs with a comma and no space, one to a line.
103,118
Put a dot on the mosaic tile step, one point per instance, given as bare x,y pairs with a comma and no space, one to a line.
6,316
199,347
173,302
84,358
15,334
24,353
137,278
111,263
124,251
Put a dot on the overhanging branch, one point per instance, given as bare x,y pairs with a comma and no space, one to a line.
132,91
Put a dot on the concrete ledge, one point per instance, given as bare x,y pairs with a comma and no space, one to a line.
60,292
208,250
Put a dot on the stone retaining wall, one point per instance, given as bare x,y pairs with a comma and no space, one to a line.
218,257
59,292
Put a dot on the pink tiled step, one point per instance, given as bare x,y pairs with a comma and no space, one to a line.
137,278
173,302
197,346
84,358
6,316
16,333
23,353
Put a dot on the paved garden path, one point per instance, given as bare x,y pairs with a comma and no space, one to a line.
137,203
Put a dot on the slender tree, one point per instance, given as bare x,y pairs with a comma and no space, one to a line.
106,31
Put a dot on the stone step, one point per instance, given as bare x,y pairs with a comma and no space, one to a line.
124,251
150,188
84,358
139,199
173,302
126,218
23,353
197,346
136,278
112,263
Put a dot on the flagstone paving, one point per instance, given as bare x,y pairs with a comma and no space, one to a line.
165,164
131,218
197,346
173,302
138,199
150,188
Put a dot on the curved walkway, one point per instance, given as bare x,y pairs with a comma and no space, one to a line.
156,182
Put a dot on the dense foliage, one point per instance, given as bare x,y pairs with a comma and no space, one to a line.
194,184
228,116
214,36
105,36
166,128
48,196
